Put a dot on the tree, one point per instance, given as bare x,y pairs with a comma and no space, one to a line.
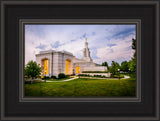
124,66
132,65
134,47
114,67
32,69
133,43
105,64
132,62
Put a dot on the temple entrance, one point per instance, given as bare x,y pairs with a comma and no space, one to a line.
77,69
44,66
68,67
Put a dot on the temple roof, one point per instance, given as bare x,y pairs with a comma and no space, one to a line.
54,51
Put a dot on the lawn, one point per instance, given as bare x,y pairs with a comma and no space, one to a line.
83,87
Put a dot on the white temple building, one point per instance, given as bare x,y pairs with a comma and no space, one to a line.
54,62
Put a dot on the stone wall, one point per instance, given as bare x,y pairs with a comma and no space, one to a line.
55,64
95,68
102,74
59,63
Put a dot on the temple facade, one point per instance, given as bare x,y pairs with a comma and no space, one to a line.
54,62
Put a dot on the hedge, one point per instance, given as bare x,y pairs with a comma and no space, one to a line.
95,71
100,76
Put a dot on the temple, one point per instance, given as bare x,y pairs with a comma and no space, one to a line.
54,62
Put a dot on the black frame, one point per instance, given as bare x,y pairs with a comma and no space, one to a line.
13,109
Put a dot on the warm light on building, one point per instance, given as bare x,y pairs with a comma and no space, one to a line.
77,69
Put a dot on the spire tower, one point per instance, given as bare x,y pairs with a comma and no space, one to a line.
86,39
86,52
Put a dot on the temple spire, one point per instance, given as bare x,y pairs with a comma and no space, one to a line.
86,52
86,39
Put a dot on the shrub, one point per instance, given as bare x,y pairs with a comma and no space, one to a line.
98,76
104,77
61,75
46,77
42,77
38,76
132,75
28,82
84,75
53,77
37,80
122,76
67,76
25,76
80,74
118,76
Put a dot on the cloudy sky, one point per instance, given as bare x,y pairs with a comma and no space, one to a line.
106,42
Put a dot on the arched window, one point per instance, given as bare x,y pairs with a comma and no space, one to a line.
44,66
78,69
68,67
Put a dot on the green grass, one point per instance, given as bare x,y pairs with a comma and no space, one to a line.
83,88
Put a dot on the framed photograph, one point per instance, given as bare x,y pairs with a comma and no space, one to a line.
80,60
63,64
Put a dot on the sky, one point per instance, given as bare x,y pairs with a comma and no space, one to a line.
106,42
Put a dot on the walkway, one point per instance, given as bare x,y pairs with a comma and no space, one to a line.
125,77
64,80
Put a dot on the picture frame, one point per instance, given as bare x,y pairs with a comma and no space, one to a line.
14,106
